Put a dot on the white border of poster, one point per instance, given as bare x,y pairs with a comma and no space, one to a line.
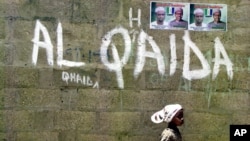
171,10
214,17
188,16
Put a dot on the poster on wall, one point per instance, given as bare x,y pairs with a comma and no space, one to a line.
208,17
169,15
188,16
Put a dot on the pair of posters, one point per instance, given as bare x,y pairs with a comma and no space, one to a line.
188,16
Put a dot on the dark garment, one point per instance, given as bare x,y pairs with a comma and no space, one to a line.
171,133
179,24
217,26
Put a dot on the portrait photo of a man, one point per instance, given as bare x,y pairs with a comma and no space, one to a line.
217,23
178,22
188,16
159,22
198,23
169,15
208,17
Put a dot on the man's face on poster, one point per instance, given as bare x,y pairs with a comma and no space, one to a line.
199,17
160,16
178,15
216,17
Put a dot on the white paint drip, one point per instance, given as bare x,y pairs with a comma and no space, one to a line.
60,60
44,44
117,65
194,74
173,60
134,33
142,54
219,49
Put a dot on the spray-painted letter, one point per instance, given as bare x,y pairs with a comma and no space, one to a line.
194,74
173,54
118,64
60,60
44,44
142,54
219,49
131,19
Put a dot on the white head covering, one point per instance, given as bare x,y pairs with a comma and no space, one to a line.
166,114
159,9
198,10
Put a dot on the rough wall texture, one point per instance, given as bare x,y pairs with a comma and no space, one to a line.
38,104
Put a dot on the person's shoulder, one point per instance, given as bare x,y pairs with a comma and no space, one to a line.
204,24
172,21
165,23
167,131
210,22
184,21
154,25
192,24
167,134
221,22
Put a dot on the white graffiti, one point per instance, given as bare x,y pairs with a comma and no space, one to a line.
142,53
219,49
60,60
173,60
194,74
49,47
44,44
131,19
118,64
77,78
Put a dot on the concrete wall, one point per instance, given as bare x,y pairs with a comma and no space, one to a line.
43,101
